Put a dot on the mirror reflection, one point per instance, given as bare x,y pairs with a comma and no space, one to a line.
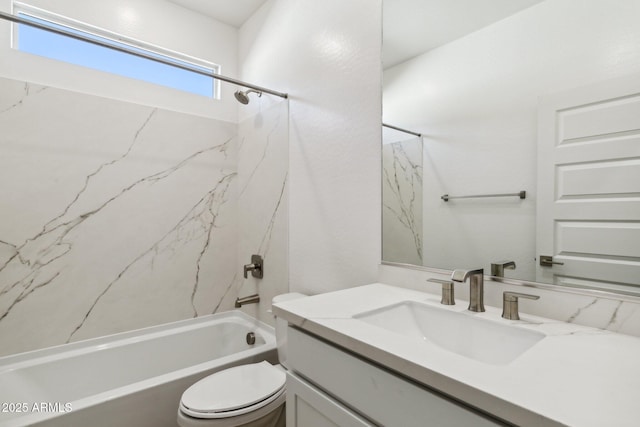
544,99
402,191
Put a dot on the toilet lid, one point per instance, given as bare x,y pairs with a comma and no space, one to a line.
234,388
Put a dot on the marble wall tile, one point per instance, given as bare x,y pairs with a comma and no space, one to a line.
402,201
263,165
113,216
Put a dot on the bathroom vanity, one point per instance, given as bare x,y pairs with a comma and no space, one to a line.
382,355
381,396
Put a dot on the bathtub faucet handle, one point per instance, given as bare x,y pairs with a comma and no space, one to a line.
256,267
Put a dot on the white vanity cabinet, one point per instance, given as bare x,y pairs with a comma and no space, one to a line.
331,387
309,406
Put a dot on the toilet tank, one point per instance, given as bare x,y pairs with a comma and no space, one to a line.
281,326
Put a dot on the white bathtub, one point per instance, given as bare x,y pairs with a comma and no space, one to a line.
130,379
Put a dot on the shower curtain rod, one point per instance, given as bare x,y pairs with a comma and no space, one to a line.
402,130
194,69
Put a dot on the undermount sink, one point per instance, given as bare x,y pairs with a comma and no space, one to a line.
463,333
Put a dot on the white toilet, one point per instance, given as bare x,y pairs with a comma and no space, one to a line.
243,396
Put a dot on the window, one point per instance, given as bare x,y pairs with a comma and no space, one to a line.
63,48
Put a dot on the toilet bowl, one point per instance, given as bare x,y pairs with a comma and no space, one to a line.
251,395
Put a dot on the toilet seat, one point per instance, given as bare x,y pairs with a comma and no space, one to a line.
234,391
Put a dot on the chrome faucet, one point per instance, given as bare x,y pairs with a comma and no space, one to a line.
476,286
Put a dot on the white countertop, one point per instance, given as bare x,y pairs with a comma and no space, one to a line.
576,375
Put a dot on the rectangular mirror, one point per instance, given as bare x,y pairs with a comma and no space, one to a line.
534,96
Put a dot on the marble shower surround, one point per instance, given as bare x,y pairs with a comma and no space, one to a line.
263,202
113,216
402,172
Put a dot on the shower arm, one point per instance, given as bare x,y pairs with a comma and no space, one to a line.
18,20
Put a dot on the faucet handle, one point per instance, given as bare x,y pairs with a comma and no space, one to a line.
498,267
256,267
510,304
448,297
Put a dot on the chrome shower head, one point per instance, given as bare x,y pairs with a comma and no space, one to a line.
243,97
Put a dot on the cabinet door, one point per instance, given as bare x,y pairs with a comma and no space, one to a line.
308,406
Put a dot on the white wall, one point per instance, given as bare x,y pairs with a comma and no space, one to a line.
157,22
475,99
326,55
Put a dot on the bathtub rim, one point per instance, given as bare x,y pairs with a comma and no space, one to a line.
84,346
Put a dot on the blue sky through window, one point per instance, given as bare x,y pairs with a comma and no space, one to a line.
67,49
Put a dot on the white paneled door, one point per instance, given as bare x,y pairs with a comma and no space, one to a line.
588,207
